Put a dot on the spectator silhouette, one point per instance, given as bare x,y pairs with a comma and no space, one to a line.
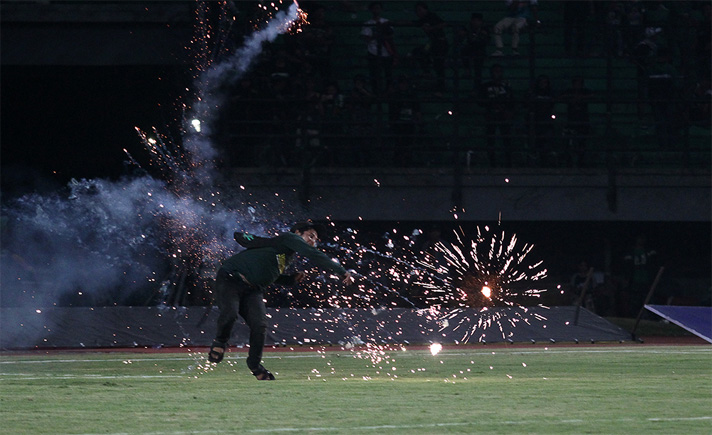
472,41
435,51
516,19
498,100
380,48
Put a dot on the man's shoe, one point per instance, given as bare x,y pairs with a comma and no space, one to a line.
217,352
262,374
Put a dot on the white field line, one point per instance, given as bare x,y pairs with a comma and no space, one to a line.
427,426
34,376
401,354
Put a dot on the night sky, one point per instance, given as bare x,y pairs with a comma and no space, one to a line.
60,122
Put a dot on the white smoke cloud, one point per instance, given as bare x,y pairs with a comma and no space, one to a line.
106,242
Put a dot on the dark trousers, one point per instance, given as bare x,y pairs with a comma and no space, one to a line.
234,297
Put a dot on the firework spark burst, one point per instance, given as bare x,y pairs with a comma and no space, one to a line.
491,270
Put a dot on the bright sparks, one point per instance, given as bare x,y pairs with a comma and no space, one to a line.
490,270
435,348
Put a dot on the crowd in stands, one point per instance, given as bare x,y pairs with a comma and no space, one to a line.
405,99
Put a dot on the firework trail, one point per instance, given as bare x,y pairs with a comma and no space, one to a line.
101,242
189,166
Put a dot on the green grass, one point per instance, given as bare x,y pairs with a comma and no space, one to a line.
596,389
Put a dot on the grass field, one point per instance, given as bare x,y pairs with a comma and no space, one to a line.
586,389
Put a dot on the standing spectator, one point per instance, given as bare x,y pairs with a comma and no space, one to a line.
497,97
435,51
472,40
380,48
541,120
578,127
405,119
516,19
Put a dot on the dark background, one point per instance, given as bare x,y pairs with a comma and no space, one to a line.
59,122
63,122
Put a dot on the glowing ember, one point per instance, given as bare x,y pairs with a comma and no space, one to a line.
435,348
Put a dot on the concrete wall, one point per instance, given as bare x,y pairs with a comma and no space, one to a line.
514,195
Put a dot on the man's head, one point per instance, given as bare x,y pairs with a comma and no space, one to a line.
309,231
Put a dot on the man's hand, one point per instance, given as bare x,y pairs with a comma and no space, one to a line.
347,279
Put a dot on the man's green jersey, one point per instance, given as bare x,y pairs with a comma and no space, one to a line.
266,259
